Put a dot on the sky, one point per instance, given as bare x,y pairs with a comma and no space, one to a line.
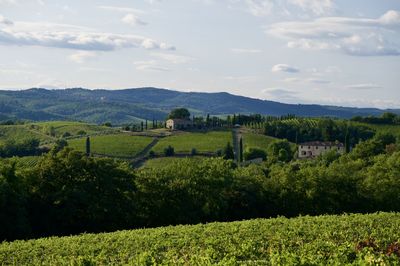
332,52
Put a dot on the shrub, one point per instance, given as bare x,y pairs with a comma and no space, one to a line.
254,153
152,154
66,134
169,151
81,132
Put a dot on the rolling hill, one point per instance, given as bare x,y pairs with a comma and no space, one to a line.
133,105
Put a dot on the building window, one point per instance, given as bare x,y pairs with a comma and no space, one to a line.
309,147
325,147
316,147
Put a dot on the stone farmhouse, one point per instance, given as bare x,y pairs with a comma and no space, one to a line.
316,148
178,124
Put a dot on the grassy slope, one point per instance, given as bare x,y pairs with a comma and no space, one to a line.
203,142
114,145
72,127
252,140
40,130
306,240
19,132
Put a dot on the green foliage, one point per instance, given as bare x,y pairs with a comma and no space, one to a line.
374,146
24,147
13,215
281,149
169,151
386,118
179,113
228,152
323,240
174,195
59,145
71,193
299,130
254,153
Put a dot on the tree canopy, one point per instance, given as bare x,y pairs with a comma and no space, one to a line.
179,113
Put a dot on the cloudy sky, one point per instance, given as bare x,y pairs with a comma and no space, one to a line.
342,52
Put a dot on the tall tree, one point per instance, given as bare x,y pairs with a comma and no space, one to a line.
179,113
88,146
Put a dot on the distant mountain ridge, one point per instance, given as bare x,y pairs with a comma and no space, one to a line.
130,105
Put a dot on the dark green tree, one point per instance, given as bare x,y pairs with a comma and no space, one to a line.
179,113
88,146
228,152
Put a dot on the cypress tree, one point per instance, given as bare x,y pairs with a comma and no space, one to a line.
241,150
88,146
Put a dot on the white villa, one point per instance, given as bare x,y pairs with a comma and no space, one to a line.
316,148
176,124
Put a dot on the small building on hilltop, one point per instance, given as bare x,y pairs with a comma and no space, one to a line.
316,148
178,124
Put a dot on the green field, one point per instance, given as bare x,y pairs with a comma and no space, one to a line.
202,142
19,132
305,240
119,145
252,140
73,128
49,131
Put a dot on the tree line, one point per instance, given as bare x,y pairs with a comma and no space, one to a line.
69,192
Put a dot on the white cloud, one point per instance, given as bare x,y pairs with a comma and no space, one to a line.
19,2
122,9
7,2
317,7
245,51
73,37
318,81
241,78
364,86
150,65
260,8
81,56
284,68
354,36
281,95
172,58
391,17
133,20
5,21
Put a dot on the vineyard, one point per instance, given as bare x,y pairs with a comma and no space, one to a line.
23,162
121,145
203,142
371,239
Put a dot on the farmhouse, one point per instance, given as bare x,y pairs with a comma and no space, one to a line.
175,124
316,148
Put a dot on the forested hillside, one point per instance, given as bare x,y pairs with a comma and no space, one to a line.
132,105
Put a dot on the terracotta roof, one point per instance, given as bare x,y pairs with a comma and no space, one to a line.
322,143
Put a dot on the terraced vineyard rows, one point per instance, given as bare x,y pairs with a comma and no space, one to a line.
349,239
